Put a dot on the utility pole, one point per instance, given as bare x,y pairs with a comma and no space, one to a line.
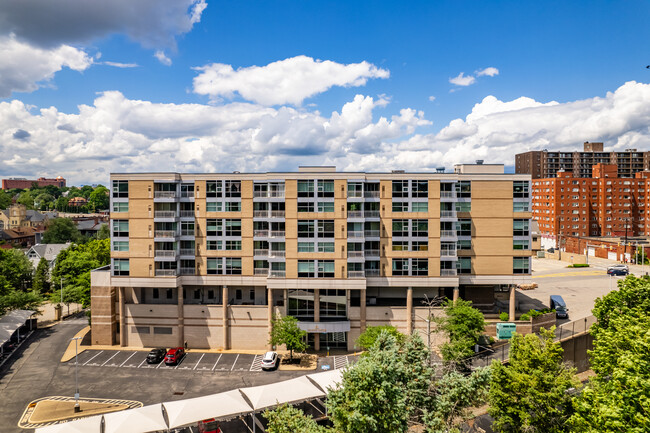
77,408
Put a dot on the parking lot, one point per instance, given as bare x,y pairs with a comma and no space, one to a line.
195,361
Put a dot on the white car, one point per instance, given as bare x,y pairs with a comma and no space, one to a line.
270,361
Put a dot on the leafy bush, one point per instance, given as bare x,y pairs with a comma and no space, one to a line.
503,317
578,265
524,317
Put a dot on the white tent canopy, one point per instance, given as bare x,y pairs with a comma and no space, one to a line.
12,321
83,425
141,419
288,391
190,411
327,379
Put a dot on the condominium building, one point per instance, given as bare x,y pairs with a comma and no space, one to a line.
542,164
603,205
207,260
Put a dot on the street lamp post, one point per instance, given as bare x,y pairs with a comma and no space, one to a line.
77,408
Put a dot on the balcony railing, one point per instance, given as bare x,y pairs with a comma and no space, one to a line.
165,234
166,272
371,194
187,271
372,272
164,214
448,272
448,234
276,253
188,194
261,233
261,252
268,194
277,274
187,252
277,214
187,214
447,214
260,214
262,271
355,214
166,253
164,194
276,234
371,214
372,233
355,194
372,253
448,253
355,234
355,254
356,274
187,232
448,194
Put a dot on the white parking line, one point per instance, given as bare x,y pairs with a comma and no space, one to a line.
110,358
128,358
233,364
161,363
180,362
256,365
215,364
142,363
99,353
197,363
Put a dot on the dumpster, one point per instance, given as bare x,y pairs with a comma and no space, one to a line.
505,330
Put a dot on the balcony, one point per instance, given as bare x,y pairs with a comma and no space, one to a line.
371,214
187,232
262,272
166,272
187,194
448,272
448,195
187,271
372,272
355,214
164,194
166,253
277,274
261,233
356,274
448,253
372,253
165,234
355,194
276,234
164,214
187,214
447,214
277,253
268,194
260,252
448,234
187,252
356,234
372,233
260,214
371,194
277,214
356,254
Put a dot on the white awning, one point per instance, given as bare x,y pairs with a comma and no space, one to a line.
341,326
190,411
147,418
12,321
91,424
327,379
289,391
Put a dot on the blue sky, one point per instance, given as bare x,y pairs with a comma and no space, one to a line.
257,86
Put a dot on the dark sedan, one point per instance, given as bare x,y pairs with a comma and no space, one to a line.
156,355
618,270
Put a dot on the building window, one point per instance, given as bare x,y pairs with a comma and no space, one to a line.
420,246
326,206
214,206
400,267
120,188
121,267
120,245
169,293
422,206
233,206
214,227
214,266
520,189
326,247
213,188
463,206
120,206
400,188
520,206
306,268
464,189
214,245
420,188
325,228
400,206
420,228
306,206
233,266
233,245
464,227
232,188
306,229
400,245
464,265
238,294
305,188
520,265
400,228
419,267
233,227
325,188
156,293
520,227
464,244
120,228
326,268
306,247
519,244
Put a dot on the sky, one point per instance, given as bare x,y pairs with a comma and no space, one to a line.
89,87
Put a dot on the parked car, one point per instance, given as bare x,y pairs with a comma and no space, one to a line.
270,361
558,304
156,355
618,270
209,426
174,356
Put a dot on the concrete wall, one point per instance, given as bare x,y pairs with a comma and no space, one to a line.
576,351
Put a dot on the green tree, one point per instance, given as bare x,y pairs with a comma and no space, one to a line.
288,419
43,201
19,300
61,230
285,331
5,199
104,232
640,256
16,269
368,337
41,283
27,199
462,324
98,199
617,399
530,393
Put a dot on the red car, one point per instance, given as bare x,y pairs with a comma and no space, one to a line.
209,426
174,355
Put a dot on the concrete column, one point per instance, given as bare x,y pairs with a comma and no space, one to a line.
362,310
224,312
456,294
181,317
511,313
270,314
123,330
317,317
409,310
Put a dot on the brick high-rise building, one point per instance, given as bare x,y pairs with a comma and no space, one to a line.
542,164
603,205
208,259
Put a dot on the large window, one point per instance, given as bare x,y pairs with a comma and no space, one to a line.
464,227
326,247
420,206
306,229
420,188
326,228
419,266
326,268
400,228
120,245
120,228
120,188
520,227
120,206
333,303
400,188
306,268
233,266
520,265
520,206
232,188
301,303
214,227
400,245
326,188
307,206
464,244
233,227
326,206
464,189
420,228
463,206
233,206
520,244
306,247
400,206
121,267
305,188
520,189
233,245
215,266
464,265
400,266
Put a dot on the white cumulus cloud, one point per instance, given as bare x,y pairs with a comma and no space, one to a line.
162,58
24,68
120,65
288,81
490,72
462,80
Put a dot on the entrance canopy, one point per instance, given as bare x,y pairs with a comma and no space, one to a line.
339,326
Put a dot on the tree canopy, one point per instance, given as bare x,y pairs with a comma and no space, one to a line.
285,331
15,281
288,419
463,325
60,231
41,283
368,337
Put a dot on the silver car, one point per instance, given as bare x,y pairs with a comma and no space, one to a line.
270,361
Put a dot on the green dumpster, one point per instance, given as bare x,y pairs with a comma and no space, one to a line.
505,330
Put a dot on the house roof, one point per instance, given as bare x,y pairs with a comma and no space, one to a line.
91,224
49,251
21,232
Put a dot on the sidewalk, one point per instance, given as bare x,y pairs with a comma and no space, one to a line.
47,313
600,263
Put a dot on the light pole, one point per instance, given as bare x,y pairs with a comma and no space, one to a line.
77,408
